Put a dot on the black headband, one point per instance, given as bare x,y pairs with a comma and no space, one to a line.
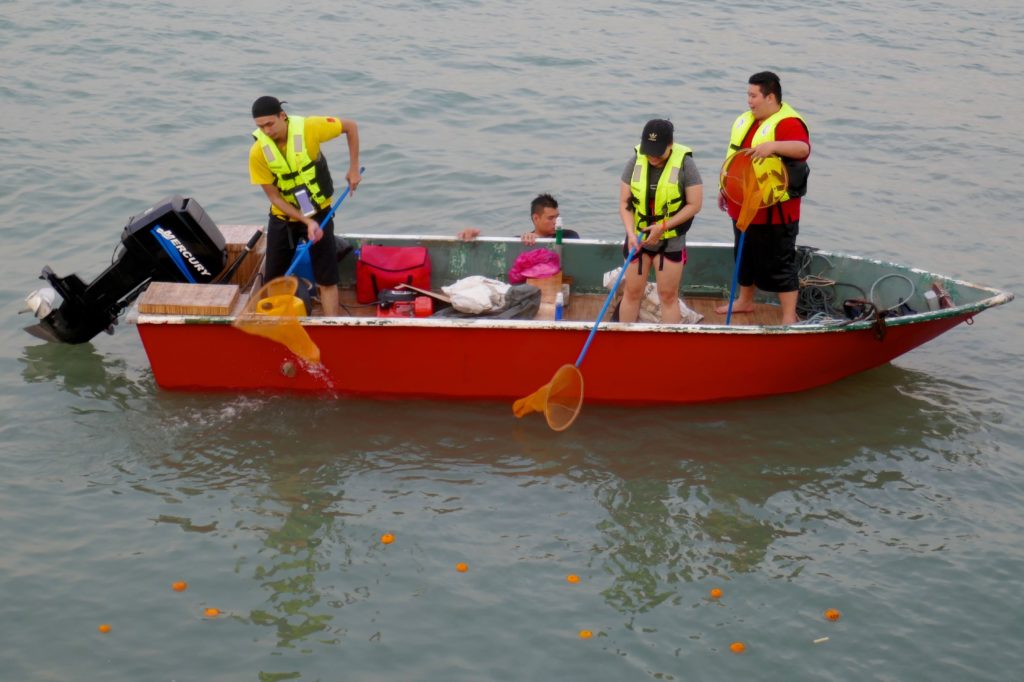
266,106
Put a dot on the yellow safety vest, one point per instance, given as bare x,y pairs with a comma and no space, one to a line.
797,171
295,168
668,200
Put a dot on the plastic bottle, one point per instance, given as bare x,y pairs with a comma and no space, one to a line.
559,305
558,230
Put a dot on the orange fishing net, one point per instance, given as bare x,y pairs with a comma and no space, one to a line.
560,399
753,184
274,313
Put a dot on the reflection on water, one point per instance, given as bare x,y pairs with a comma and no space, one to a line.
713,494
696,493
82,371
293,563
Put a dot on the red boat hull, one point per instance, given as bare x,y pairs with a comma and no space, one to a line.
483,361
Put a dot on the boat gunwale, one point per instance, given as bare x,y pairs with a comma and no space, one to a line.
997,297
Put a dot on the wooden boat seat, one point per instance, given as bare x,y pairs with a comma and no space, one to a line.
176,298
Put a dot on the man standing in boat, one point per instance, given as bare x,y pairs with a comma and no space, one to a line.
771,128
660,193
285,160
546,221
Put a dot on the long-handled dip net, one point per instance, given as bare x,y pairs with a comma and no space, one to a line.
753,184
561,399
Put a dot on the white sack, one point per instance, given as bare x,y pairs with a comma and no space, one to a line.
477,294
650,304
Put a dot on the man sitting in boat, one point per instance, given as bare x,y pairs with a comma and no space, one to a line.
546,223
285,160
660,193
771,128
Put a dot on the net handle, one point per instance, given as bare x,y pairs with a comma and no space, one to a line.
607,302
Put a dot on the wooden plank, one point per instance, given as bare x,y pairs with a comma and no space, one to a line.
235,238
444,298
764,313
585,307
176,298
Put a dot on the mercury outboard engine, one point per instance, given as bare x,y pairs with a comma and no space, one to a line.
173,241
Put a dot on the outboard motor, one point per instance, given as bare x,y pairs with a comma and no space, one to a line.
173,241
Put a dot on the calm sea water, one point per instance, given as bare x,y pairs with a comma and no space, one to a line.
894,496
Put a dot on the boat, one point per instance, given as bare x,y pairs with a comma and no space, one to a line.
880,310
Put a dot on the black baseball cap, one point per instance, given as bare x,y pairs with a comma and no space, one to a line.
266,106
657,137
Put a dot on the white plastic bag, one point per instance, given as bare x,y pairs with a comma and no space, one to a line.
477,294
650,304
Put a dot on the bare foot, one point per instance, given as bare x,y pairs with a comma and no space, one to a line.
736,308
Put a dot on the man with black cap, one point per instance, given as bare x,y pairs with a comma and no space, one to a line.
660,193
770,129
286,161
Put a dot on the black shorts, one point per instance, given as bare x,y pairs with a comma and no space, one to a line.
284,235
673,256
769,257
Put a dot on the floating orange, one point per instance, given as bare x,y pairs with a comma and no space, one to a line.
387,538
586,634
573,578
104,628
715,593
461,567
212,612
833,615
179,586
738,647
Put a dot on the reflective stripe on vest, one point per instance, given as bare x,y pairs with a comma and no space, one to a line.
765,133
294,168
667,199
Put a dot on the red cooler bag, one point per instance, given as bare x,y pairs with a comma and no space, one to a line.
385,267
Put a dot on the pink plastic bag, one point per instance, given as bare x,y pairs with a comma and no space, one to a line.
535,263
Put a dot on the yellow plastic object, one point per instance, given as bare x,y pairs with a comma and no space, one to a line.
274,314
282,305
560,399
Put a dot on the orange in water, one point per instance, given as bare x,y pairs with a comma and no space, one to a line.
212,612
387,538
179,586
738,647
833,615
461,567
715,593
586,634
572,578
104,628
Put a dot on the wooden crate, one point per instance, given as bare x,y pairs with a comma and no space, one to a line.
549,288
176,298
236,237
